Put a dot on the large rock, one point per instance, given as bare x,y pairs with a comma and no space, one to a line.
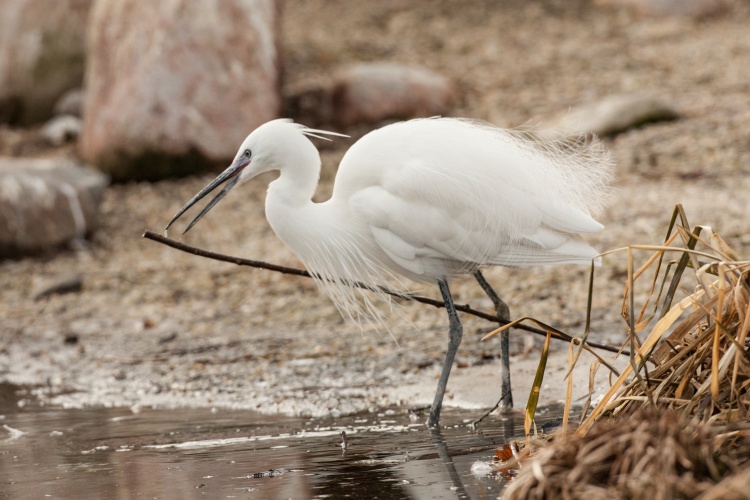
45,203
42,46
175,86
372,92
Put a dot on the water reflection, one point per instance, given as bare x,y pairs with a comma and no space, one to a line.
113,453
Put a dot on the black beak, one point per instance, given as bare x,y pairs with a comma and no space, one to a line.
231,174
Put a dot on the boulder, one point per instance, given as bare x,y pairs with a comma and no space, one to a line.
42,55
174,87
372,92
45,203
610,116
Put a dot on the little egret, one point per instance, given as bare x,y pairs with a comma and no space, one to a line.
426,199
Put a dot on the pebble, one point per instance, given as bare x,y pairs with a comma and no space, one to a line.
692,9
610,116
61,129
65,282
70,103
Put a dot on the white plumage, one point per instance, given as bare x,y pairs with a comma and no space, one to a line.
425,199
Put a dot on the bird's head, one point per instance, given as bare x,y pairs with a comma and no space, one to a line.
267,148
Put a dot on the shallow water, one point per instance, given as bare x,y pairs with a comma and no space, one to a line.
204,453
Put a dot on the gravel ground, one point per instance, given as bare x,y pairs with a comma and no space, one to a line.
154,326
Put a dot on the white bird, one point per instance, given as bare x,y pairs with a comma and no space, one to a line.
425,199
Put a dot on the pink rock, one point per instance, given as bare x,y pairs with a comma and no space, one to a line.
42,52
45,203
372,92
173,87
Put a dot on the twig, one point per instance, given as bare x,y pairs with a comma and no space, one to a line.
465,308
476,422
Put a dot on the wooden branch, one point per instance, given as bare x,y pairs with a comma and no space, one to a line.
465,308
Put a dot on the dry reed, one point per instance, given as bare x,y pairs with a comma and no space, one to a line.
675,422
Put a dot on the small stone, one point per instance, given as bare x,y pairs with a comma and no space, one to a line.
61,129
610,116
70,339
57,285
71,103
167,338
692,9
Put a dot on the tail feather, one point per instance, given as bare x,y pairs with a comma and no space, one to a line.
570,250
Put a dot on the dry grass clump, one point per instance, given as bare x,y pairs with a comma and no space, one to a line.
650,455
675,422
695,356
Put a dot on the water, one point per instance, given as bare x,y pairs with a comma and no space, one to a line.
203,453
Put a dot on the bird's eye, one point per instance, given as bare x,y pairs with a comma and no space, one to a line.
246,154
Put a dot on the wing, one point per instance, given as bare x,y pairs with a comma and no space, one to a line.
448,198
450,237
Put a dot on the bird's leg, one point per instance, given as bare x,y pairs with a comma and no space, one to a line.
455,333
501,308
503,315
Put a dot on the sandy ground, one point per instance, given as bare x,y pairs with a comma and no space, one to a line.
153,326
